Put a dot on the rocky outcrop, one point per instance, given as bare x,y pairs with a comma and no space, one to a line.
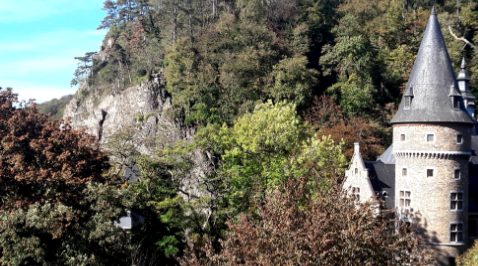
144,107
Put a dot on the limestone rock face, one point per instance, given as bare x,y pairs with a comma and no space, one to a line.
144,107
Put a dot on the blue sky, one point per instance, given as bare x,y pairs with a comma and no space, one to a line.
39,40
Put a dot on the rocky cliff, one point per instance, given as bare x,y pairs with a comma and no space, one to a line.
144,107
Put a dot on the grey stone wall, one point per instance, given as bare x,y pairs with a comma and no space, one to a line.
445,137
431,196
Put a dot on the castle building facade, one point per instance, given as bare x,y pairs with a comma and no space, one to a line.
429,168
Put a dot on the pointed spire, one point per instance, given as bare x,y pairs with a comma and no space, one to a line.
431,79
463,75
463,63
433,11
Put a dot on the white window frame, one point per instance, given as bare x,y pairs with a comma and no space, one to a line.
457,231
434,138
430,168
457,139
457,200
404,198
453,175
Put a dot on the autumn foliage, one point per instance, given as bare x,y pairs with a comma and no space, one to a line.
326,229
55,208
331,120
39,162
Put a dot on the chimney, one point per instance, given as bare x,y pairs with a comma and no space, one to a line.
356,148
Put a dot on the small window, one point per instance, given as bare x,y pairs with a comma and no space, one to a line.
459,139
430,137
456,201
405,199
457,174
356,170
456,102
402,137
408,102
456,232
404,171
430,172
356,193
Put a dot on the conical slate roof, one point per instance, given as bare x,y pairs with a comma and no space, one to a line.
430,83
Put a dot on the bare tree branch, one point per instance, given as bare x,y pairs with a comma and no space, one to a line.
461,39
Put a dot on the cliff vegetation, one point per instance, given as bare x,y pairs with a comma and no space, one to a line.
228,125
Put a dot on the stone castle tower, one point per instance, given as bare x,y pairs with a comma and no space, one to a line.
432,146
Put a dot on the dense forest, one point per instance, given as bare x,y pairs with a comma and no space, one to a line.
277,92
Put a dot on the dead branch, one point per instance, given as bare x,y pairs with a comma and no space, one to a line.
461,39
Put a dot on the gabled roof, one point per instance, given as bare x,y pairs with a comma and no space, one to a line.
430,82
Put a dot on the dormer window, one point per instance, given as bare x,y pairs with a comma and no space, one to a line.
455,97
408,102
408,98
456,102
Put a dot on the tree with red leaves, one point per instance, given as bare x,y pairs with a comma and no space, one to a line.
329,228
331,120
55,205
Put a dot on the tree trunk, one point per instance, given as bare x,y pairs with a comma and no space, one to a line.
175,24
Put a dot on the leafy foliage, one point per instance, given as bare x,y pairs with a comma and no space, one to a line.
328,229
54,107
332,121
152,186
262,150
55,206
470,257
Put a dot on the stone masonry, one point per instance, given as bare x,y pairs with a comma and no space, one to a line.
430,193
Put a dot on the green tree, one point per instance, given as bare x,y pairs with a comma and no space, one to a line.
83,71
265,148
153,188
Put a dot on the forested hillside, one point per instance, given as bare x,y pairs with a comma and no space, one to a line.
55,107
222,58
277,92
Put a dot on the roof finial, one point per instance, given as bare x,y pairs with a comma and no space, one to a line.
463,63
433,11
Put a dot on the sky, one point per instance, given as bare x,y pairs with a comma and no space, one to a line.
39,40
